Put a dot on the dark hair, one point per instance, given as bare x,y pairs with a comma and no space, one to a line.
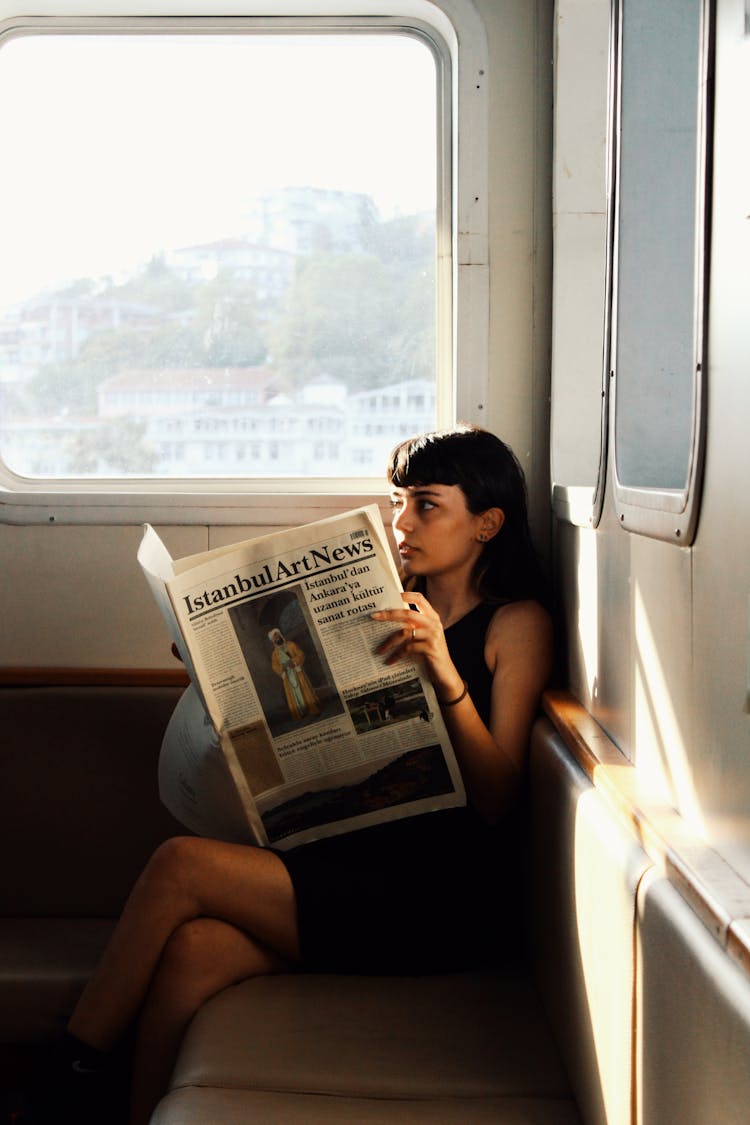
490,476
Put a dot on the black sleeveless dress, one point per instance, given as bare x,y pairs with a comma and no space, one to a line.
416,895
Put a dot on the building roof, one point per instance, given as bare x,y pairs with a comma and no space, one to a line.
220,245
192,378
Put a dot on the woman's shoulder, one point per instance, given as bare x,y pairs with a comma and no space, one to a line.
520,609
519,626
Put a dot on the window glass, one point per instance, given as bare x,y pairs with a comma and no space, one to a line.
658,332
222,253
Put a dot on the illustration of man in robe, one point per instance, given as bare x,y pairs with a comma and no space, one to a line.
287,660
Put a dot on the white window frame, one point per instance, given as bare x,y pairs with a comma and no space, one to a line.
671,514
456,34
582,277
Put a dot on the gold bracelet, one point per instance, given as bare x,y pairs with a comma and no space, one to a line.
453,702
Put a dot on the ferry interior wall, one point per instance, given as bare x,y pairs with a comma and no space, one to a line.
592,294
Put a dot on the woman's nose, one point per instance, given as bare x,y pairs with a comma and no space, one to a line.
402,518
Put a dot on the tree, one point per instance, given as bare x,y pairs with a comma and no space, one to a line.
226,328
115,447
337,321
412,346
73,386
367,319
156,285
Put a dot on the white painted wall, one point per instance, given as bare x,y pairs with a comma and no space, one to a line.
657,635
721,565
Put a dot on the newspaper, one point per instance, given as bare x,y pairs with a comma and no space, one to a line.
294,728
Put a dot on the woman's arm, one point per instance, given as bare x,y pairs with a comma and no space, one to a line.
518,653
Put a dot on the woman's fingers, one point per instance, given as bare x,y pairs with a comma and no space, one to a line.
399,641
417,628
419,634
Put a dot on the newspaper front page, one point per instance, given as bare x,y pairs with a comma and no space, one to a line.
319,735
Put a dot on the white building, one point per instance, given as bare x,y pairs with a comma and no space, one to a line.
307,220
267,270
213,422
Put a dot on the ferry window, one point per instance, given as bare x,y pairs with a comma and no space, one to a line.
214,233
581,275
658,347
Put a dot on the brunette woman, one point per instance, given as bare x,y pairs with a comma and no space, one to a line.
416,895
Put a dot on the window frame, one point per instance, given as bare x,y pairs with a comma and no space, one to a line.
583,195
462,325
671,514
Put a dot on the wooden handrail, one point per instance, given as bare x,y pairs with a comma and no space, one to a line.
716,892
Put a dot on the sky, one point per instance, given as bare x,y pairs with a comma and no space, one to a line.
118,147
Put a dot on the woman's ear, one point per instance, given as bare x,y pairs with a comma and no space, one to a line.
490,523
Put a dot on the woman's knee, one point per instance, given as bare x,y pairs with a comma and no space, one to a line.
203,956
170,870
191,950
174,858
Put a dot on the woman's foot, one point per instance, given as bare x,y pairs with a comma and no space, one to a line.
83,1086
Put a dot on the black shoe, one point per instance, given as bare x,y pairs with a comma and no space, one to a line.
16,1109
70,1092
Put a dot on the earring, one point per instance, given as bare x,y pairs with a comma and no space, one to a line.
482,537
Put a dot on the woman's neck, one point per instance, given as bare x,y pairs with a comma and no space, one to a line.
450,600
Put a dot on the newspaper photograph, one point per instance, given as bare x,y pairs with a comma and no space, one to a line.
318,735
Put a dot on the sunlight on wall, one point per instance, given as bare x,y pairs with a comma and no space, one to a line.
608,866
661,752
587,584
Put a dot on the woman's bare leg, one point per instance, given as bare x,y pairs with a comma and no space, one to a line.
186,878
201,958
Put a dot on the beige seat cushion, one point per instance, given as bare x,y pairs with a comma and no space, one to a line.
477,1035
241,1107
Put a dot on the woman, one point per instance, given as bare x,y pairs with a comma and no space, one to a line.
415,895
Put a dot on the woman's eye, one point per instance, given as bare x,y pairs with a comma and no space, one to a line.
425,505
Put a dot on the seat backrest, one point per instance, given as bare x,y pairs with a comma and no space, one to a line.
693,1017
81,809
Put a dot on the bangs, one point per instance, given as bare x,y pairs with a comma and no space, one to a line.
427,459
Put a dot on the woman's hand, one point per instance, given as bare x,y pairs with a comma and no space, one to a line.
420,636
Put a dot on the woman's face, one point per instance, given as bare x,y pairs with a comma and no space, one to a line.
435,532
